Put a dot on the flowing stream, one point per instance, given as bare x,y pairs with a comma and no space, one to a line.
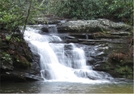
67,88
61,61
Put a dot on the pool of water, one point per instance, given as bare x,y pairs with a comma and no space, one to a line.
66,87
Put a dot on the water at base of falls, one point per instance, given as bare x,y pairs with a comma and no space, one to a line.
61,61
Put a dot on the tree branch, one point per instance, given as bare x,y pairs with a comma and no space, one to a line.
27,16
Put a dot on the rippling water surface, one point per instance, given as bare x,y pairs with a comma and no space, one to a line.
66,87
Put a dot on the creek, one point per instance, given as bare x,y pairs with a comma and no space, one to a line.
67,87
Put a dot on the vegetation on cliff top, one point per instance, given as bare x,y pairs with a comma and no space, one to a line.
14,13
20,12
116,10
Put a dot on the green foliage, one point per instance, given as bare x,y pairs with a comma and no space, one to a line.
14,12
124,70
119,10
8,37
22,62
6,57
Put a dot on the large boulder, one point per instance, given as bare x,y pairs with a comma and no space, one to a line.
92,26
16,59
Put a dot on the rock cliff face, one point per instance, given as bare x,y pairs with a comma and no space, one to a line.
107,44
92,26
16,60
108,47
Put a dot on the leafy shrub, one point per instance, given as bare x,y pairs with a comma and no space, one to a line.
14,12
119,10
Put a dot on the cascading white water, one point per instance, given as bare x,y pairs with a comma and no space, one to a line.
61,61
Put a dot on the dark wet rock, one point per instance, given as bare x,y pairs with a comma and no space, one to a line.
46,74
31,77
54,22
16,59
8,76
110,55
49,29
82,35
17,76
45,29
68,47
70,37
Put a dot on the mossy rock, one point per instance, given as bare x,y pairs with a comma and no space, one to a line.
120,65
6,61
21,62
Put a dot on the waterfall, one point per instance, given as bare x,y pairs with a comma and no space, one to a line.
61,61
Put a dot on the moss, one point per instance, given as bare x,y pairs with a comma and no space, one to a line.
119,71
6,61
21,62
120,65
6,56
15,55
20,52
118,57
